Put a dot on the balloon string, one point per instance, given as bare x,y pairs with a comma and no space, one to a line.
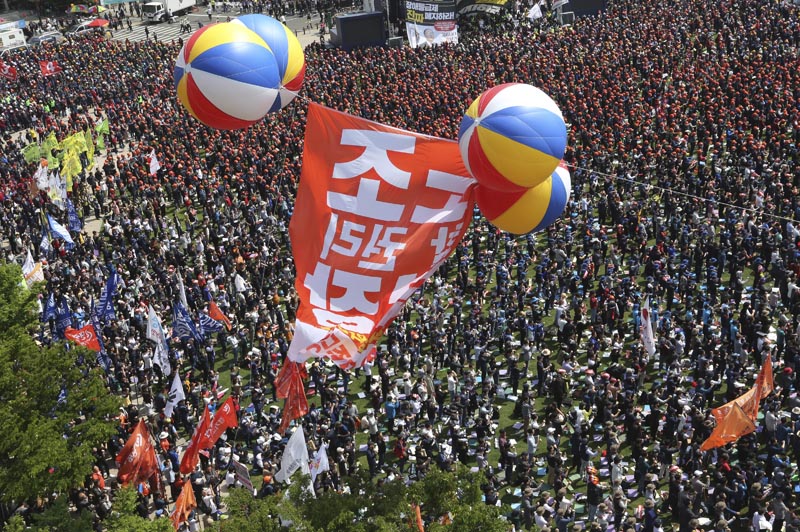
685,194
285,148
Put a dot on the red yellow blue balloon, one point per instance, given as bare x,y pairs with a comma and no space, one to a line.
512,137
287,51
531,209
226,76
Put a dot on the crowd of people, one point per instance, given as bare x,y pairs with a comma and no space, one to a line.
683,133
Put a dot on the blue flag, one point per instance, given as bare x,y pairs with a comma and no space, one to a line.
63,317
182,325
102,356
59,231
75,223
208,325
105,309
44,245
49,308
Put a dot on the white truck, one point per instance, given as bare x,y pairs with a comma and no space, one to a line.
160,10
11,38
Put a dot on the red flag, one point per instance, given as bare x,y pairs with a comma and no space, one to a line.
183,506
289,383
216,314
49,67
192,453
377,211
224,418
86,336
8,71
735,425
137,459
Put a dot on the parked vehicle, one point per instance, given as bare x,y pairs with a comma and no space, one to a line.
53,37
79,29
10,49
11,37
161,10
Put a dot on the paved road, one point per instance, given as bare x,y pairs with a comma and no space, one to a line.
166,32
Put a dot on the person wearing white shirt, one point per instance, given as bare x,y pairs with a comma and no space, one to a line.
760,521
616,471
770,422
539,519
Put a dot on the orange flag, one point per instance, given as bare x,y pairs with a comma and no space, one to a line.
192,454
183,506
764,378
418,517
748,402
735,425
378,210
215,313
137,459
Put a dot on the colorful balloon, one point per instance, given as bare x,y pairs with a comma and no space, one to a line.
532,209
512,137
287,50
226,76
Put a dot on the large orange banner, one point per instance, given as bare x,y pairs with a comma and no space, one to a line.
733,426
378,210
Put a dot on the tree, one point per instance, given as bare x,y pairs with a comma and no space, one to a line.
249,514
475,518
15,524
57,518
123,516
46,444
367,507
436,493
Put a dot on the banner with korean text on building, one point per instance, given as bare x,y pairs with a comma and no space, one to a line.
431,23
489,7
378,210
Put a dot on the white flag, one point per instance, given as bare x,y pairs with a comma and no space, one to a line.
295,456
646,328
155,332
57,190
319,463
32,271
535,12
176,395
182,291
154,164
41,178
559,3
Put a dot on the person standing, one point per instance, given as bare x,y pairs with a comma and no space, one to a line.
780,511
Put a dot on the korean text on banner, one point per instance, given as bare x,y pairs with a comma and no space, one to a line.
378,210
431,23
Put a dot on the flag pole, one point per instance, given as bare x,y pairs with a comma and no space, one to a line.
160,476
